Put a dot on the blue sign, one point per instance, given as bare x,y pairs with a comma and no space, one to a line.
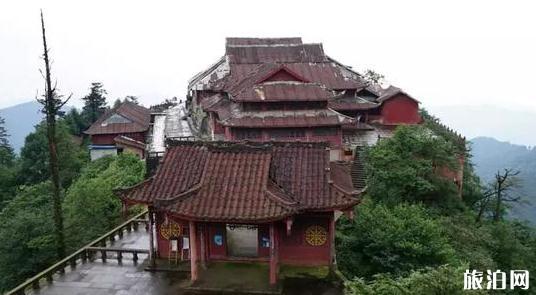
265,242
218,240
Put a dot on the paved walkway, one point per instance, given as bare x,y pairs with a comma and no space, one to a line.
112,278
129,278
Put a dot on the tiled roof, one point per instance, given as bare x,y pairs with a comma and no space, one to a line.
280,53
330,74
291,118
139,116
285,91
127,141
262,41
242,182
351,105
391,92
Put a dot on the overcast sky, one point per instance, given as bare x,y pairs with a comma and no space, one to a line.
449,53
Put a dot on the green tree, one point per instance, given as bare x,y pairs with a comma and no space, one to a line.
4,142
373,78
94,103
34,156
396,240
7,167
442,280
407,167
91,208
75,122
27,230
132,99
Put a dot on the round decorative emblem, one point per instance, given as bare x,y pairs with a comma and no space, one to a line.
316,235
170,230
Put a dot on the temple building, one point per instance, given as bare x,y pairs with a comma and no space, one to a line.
121,129
283,89
265,202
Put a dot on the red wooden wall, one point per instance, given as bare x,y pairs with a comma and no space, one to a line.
108,139
294,249
400,110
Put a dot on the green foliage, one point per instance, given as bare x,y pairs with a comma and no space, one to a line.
8,168
407,167
90,205
94,103
372,77
390,240
8,183
26,227
395,248
90,209
75,122
34,156
442,280
473,244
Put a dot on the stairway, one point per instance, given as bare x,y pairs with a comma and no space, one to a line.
358,169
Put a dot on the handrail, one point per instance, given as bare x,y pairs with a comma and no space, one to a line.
71,259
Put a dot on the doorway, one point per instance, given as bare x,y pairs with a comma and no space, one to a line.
242,240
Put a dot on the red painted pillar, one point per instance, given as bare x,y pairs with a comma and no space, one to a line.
193,252
273,255
152,253
203,254
333,258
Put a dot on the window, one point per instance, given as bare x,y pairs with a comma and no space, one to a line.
287,133
242,134
323,131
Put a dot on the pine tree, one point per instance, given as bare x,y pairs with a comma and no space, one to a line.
6,151
94,103
3,134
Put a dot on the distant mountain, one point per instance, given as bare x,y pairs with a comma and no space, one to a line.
491,155
503,124
20,121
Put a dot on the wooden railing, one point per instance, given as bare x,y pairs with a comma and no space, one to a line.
88,252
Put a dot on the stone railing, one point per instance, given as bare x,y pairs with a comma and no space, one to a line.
88,253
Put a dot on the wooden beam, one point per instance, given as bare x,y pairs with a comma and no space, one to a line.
273,255
332,260
193,252
152,258
202,246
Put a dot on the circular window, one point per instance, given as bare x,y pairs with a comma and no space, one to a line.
170,230
316,235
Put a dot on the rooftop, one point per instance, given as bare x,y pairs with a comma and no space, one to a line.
127,118
246,182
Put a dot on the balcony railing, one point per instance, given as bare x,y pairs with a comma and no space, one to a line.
88,252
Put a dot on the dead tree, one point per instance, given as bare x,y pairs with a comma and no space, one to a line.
503,187
52,103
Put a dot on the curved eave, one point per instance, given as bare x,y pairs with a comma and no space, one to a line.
229,220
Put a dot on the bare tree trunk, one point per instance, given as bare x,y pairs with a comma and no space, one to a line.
497,214
51,108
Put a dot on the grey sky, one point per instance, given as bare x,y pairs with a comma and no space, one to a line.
443,53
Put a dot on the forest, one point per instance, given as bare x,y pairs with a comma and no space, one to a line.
413,234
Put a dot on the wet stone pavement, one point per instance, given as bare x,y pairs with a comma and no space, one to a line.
130,278
96,277
114,279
